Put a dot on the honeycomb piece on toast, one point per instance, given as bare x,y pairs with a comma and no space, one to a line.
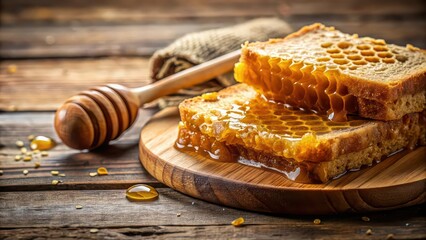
331,72
243,122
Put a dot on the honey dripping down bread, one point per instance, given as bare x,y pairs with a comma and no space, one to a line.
334,73
239,123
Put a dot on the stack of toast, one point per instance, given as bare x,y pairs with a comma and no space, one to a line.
317,102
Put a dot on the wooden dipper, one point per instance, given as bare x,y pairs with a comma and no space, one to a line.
101,114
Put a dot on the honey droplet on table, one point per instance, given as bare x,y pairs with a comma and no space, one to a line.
141,192
42,143
102,171
238,222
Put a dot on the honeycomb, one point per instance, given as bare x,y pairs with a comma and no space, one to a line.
241,116
319,68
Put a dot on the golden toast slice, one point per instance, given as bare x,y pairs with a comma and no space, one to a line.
238,122
325,70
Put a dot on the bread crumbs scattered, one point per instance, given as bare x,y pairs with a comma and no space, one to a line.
178,214
37,164
25,172
1,172
365,219
369,231
78,207
19,143
94,230
54,173
50,40
317,221
93,174
390,236
33,146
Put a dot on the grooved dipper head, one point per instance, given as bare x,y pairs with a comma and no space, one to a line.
95,117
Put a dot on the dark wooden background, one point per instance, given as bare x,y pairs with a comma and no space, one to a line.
62,47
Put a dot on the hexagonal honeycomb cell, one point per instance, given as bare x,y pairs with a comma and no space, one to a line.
307,68
243,123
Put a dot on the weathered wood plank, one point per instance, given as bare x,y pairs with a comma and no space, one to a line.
145,38
98,40
45,84
218,232
100,209
120,158
50,11
18,12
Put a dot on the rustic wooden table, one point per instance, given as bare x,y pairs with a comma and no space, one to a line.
51,50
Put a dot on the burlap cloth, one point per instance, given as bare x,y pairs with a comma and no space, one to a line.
196,48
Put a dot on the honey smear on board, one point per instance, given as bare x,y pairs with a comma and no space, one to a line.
141,192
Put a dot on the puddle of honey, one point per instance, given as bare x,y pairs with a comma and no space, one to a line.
141,192
42,143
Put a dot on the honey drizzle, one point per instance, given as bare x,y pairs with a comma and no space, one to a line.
292,171
189,141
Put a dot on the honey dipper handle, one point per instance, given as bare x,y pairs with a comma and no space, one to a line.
186,78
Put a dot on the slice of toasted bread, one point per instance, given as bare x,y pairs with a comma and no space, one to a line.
323,69
238,120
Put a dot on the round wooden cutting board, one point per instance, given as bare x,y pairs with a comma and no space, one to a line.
398,181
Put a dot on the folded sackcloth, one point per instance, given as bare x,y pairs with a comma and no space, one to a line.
196,48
